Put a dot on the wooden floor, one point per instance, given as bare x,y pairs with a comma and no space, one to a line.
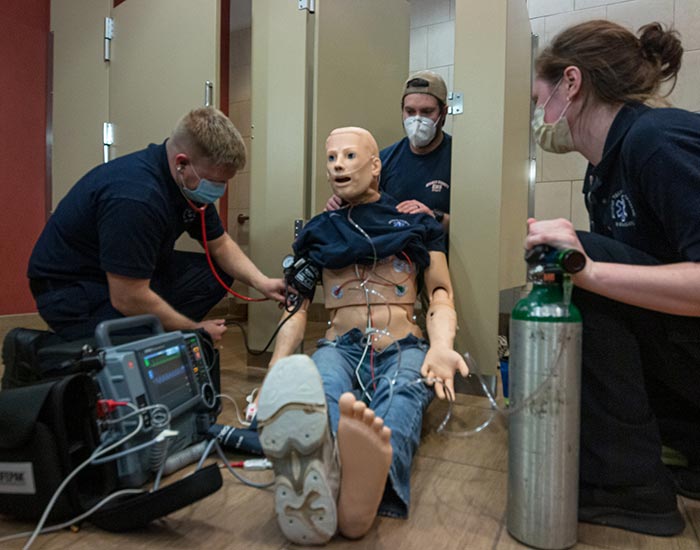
458,494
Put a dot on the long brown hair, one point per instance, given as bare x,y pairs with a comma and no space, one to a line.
616,66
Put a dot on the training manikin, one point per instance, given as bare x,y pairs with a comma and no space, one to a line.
342,427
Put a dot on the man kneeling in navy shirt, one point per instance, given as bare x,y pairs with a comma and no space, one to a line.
108,249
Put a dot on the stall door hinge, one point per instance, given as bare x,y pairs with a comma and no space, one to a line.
109,33
455,103
107,139
308,5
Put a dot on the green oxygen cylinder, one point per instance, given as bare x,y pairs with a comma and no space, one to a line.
544,421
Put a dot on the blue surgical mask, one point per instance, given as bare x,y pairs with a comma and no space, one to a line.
206,192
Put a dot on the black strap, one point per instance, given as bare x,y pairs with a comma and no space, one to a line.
134,512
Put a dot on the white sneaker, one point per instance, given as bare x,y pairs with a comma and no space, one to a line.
294,433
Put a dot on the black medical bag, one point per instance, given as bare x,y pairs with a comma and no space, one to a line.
46,431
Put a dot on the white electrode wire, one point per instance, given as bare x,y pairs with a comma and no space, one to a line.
161,468
242,422
359,366
139,412
366,236
95,454
73,521
214,444
164,417
205,454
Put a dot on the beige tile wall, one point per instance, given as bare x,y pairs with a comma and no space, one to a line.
432,41
558,189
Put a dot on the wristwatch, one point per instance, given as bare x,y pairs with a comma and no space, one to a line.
439,215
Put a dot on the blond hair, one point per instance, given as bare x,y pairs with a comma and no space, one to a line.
208,133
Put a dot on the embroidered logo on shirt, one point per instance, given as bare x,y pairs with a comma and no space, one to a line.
622,210
188,216
437,185
398,223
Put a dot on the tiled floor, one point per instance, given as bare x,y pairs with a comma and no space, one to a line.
458,493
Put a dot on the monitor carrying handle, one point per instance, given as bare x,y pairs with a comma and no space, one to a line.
104,331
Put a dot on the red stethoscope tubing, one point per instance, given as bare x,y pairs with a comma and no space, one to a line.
201,210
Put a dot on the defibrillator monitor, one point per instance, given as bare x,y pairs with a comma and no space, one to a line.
164,369
167,374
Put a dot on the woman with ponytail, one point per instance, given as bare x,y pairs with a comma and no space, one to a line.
600,90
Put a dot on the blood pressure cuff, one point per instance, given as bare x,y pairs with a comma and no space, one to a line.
46,431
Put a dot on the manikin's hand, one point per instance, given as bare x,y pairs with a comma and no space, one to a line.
560,234
334,203
215,328
414,207
272,288
440,365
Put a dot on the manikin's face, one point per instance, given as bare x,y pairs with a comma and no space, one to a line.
353,165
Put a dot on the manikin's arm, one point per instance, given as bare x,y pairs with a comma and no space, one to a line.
442,361
291,334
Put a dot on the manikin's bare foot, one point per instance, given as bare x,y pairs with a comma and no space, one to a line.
365,457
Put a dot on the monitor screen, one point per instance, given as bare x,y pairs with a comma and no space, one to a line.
166,375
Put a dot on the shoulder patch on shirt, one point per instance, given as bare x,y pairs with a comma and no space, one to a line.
622,210
437,185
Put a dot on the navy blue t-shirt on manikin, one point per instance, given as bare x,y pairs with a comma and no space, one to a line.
331,240
645,191
122,217
425,178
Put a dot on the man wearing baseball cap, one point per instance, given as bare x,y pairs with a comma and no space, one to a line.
416,169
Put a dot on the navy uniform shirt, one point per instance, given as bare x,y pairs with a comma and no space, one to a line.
645,191
122,217
425,178
332,240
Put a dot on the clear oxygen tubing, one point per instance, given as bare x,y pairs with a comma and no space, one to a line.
533,397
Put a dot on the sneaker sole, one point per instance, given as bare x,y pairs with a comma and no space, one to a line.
293,420
665,524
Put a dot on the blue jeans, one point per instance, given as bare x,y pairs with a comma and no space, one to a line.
400,404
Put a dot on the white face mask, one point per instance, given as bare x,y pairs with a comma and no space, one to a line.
554,137
420,130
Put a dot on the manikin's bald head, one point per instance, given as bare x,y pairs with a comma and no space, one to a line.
363,137
353,164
